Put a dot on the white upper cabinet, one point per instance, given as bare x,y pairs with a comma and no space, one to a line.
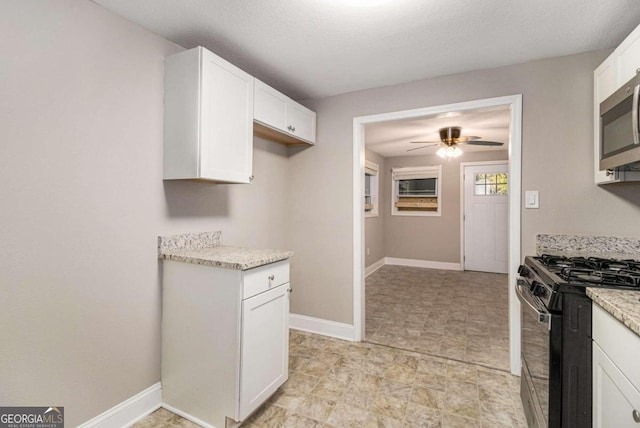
208,132
270,106
628,54
614,72
279,118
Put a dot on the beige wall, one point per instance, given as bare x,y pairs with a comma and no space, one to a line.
374,226
431,238
557,160
83,201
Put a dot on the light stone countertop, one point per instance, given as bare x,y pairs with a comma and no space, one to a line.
205,249
624,305
588,246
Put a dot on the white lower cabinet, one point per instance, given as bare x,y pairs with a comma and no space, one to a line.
265,346
225,339
616,376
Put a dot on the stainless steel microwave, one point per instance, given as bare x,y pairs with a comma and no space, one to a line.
619,132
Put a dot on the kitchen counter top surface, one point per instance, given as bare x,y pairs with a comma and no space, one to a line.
624,305
204,249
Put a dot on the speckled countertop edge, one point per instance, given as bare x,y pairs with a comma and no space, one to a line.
597,246
205,249
624,305
227,257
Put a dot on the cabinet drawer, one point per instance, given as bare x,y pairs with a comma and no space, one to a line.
620,344
263,278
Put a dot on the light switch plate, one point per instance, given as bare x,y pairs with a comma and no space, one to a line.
531,199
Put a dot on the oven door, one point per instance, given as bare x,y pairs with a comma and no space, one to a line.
535,336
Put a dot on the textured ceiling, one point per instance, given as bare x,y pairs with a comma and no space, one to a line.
317,48
393,138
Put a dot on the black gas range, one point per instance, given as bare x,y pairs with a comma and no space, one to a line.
556,384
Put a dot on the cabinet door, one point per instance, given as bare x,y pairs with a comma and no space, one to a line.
301,122
226,139
628,57
614,398
605,84
270,106
265,347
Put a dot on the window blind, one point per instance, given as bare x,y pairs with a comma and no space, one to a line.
414,173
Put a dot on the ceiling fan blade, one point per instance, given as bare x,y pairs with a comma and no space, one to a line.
483,143
468,138
418,148
433,143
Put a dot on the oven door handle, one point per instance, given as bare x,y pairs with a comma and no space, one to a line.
522,291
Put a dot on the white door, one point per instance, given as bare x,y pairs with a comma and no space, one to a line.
486,217
264,347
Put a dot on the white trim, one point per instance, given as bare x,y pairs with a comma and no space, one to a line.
358,230
463,165
321,326
422,263
129,411
374,267
515,172
515,189
187,416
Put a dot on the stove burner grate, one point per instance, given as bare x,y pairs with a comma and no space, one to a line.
623,278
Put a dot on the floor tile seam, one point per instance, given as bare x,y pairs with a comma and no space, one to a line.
441,357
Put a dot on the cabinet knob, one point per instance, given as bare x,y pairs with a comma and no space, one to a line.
636,416
290,290
293,129
251,177
272,277
610,172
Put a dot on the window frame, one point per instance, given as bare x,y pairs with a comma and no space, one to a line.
421,172
372,170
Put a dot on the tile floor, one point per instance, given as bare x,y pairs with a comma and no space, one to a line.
457,315
334,383
401,377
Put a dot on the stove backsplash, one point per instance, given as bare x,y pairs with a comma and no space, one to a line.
597,246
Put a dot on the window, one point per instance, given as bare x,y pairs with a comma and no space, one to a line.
416,191
371,189
491,183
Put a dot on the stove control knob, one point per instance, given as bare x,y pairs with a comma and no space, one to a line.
538,289
524,271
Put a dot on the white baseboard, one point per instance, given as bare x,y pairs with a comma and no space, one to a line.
321,326
422,263
187,416
129,411
373,267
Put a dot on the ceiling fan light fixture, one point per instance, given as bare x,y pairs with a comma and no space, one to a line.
449,152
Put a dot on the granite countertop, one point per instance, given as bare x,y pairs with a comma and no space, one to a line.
205,249
607,247
624,305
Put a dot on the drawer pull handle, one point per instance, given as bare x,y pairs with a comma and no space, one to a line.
636,416
272,277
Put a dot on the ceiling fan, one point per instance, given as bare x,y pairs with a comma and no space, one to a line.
449,140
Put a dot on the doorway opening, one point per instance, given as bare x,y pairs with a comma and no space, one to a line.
513,106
